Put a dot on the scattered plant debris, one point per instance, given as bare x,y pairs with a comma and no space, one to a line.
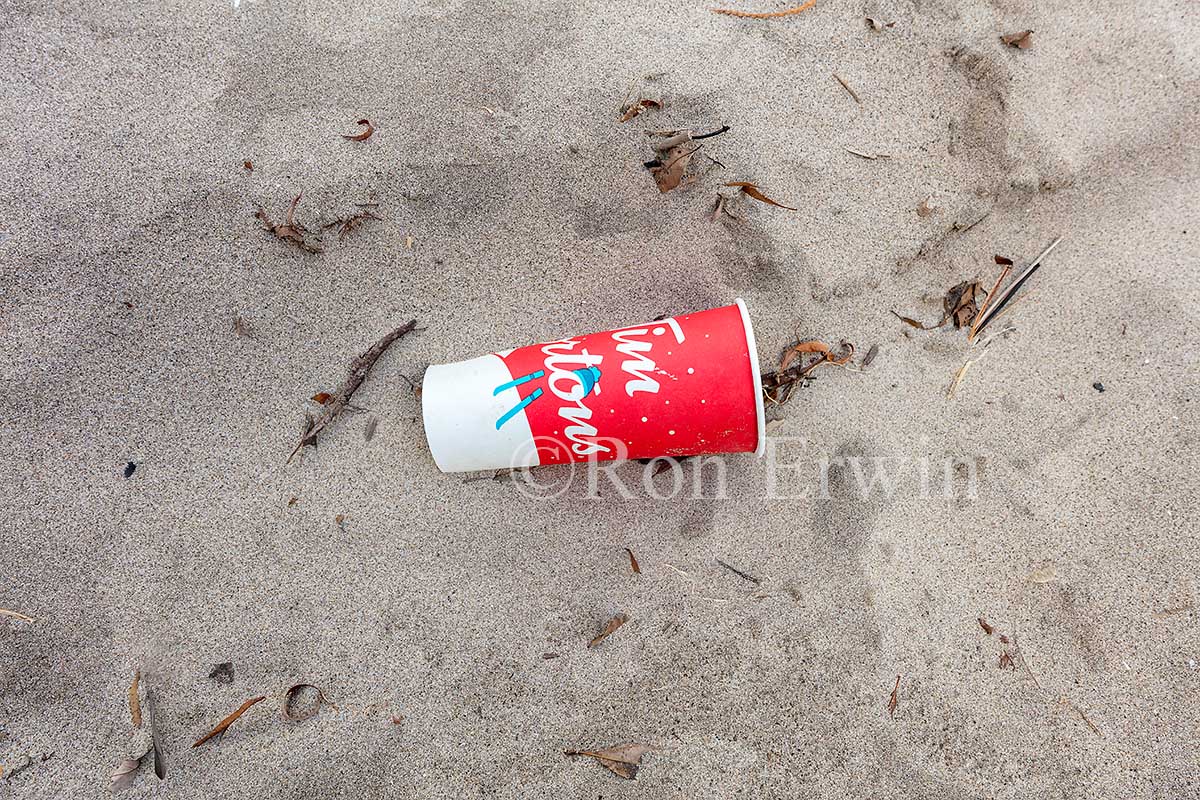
623,759
787,12
1082,715
846,86
894,700
248,166
291,230
322,398
291,503
349,224
926,207
778,385
877,24
340,521
221,726
241,328
223,672
130,467
630,110
293,694
993,307
369,430
756,193
869,357
359,368
671,163
1021,40
633,562
8,612
361,137
609,628
986,627
1006,661
122,777
738,572
958,306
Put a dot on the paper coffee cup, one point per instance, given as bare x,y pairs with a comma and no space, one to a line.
680,386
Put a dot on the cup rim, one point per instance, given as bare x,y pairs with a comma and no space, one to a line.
756,379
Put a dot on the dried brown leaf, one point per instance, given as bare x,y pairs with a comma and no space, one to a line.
622,759
787,12
360,367
322,397
1003,261
225,723
894,700
1006,661
753,191
668,170
959,303
918,325
633,562
248,166
609,628
986,627
630,111
811,346
926,207
361,137
135,702
1022,40
870,356
290,697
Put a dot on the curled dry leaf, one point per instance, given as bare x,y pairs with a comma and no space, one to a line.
292,695
291,230
609,628
633,562
787,12
811,346
753,191
628,112
623,759
1022,40
135,703
225,723
668,170
1003,261
983,623
361,137
322,397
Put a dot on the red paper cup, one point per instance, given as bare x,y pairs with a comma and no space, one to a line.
680,386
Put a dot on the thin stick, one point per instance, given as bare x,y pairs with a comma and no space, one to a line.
15,615
861,154
988,301
731,12
738,572
846,86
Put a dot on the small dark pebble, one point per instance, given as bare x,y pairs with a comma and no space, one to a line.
1098,386
222,673
129,468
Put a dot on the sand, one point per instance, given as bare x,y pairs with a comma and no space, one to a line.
128,245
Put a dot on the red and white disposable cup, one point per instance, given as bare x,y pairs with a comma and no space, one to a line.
680,386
